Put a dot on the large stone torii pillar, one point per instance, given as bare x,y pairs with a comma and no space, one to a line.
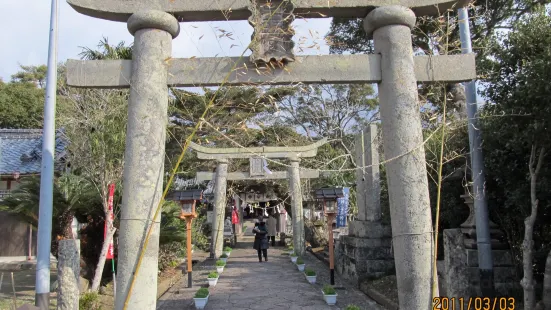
152,69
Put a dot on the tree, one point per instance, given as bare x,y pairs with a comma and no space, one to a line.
21,105
107,51
516,119
72,197
31,74
95,123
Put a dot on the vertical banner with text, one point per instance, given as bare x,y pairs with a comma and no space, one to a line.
342,205
111,251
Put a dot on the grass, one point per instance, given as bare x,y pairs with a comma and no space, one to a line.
213,275
202,293
300,261
329,290
310,272
89,301
220,263
223,255
227,249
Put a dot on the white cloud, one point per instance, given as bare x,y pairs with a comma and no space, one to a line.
26,32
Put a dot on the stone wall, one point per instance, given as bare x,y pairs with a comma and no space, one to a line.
366,253
461,275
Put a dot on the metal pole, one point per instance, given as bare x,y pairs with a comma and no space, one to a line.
47,172
189,261
331,248
485,263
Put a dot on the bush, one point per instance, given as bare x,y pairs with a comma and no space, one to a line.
170,254
309,272
223,255
213,275
220,263
89,301
227,249
294,254
202,293
300,261
352,307
329,290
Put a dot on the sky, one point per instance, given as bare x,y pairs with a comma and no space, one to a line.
26,31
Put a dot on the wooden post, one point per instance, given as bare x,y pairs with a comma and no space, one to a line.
189,260
330,218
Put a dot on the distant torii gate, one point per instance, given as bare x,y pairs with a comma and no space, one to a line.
256,155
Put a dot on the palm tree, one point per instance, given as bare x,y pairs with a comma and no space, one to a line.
106,51
72,196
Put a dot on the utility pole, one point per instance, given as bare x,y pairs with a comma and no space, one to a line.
42,297
483,241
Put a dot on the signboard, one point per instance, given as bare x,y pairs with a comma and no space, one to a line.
111,250
210,216
342,207
256,167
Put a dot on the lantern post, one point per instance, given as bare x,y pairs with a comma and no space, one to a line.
329,197
187,200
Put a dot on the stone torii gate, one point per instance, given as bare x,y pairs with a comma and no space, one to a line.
154,23
256,155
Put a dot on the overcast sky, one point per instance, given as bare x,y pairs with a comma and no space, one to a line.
25,25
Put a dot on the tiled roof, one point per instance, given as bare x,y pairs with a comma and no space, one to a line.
21,150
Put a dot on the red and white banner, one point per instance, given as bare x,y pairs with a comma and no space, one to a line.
111,251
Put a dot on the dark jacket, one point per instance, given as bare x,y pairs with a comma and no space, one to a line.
260,238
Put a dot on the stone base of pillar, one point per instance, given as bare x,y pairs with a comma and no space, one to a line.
366,253
68,274
461,273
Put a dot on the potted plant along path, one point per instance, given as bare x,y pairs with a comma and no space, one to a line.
224,257
291,250
352,307
310,275
213,278
220,266
300,264
329,294
227,251
201,298
294,257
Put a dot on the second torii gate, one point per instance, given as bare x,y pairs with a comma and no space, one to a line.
256,155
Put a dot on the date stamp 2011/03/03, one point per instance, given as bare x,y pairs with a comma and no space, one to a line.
473,303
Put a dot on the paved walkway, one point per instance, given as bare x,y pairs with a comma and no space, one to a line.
276,284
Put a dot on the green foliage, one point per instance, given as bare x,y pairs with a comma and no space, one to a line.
171,253
227,249
300,261
223,255
294,254
35,75
89,301
202,293
107,51
220,263
310,272
352,307
72,196
328,290
213,275
21,105
518,117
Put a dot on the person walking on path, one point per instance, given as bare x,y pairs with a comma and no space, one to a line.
272,228
261,240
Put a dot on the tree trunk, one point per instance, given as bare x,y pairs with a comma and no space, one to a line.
102,258
528,283
547,284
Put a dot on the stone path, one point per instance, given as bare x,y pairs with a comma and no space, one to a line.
248,284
